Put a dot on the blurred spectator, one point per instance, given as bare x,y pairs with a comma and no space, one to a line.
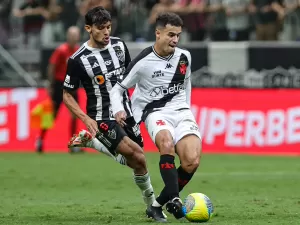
33,14
266,19
237,19
193,14
161,6
133,20
56,74
70,13
52,30
291,23
217,20
5,10
85,5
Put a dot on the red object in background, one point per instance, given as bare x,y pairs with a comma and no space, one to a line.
59,59
230,121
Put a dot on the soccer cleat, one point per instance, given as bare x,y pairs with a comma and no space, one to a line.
156,213
80,140
174,207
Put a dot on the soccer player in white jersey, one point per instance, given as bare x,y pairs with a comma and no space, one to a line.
97,65
162,95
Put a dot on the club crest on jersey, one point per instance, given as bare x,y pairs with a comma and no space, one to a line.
112,134
99,79
182,67
120,54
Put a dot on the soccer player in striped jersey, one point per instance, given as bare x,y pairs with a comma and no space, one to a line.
98,65
161,75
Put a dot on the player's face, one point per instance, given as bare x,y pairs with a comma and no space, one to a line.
99,33
168,38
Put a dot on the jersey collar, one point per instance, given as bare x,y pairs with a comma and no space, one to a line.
163,58
97,49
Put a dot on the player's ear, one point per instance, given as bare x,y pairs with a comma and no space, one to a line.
157,33
88,28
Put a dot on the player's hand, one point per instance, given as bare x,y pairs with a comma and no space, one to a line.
121,117
91,125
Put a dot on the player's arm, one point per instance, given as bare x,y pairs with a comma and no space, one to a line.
131,77
188,82
71,84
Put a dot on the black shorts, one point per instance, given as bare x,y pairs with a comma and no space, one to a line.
57,95
111,133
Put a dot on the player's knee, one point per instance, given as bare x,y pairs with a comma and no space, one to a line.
133,154
140,160
166,146
191,165
191,161
164,142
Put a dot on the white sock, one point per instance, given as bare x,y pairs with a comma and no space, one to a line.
144,183
96,144
156,204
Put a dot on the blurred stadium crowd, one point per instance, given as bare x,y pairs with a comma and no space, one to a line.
32,23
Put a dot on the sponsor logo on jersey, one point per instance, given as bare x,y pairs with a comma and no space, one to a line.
169,66
95,65
117,72
67,82
108,62
157,73
99,79
68,85
167,90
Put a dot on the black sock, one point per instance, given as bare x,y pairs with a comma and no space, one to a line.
170,177
183,177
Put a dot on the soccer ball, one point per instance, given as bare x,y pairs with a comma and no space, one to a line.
197,207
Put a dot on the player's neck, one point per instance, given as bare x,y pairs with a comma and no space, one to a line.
93,44
160,52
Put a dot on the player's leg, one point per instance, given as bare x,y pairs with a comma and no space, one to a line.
161,130
133,131
188,147
84,139
117,141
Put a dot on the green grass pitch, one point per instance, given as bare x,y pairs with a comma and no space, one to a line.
92,189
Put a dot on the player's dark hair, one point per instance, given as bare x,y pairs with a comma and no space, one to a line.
168,18
97,16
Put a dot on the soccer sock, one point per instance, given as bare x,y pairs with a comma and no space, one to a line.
144,183
183,177
96,144
170,177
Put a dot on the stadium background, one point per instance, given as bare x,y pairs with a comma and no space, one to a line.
245,99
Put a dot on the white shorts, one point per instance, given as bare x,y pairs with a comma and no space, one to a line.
179,123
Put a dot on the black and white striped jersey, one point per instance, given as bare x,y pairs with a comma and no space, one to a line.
160,83
98,70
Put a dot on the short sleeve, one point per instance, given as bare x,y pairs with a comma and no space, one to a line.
72,78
